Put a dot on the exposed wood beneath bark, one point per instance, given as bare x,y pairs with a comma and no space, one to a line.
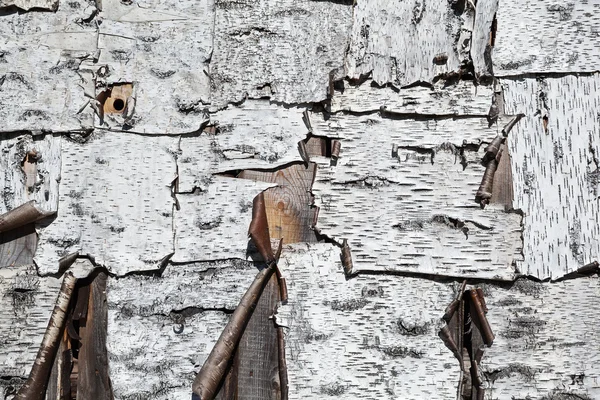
93,380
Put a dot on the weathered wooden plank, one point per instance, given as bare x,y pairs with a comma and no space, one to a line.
213,224
274,132
43,87
17,247
463,98
403,192
286,50
93,380
258,371
546,36
171,82
370,337
26,302
555,150
545,346
191,317
290,214
408,42
115,203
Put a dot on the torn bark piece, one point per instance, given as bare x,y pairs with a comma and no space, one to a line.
478,305
23,215
346,257
35,386
511,124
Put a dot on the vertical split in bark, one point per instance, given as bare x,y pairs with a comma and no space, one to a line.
466,333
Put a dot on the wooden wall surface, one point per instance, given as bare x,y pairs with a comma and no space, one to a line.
137,133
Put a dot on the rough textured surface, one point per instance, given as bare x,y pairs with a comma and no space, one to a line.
389,41
426,219
546,36
556,169
113,187
26,302
545,344
371,339
463,98
43,86
403,100
286,50
214,224
30,169
171,86
274,131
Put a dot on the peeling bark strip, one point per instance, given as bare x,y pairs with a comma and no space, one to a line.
22,215
35,386
492,159
466,332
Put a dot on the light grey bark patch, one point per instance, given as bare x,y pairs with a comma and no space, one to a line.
483,39
37,179
146,349
125,200
565,37
26,302
42,87
137,44
364,346
223,200
399,43
182,326
283,50
560,234
255,134
425,220
544,340
464,98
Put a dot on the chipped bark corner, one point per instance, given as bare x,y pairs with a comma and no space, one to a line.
277,200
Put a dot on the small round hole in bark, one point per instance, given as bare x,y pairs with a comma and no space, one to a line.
118,104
